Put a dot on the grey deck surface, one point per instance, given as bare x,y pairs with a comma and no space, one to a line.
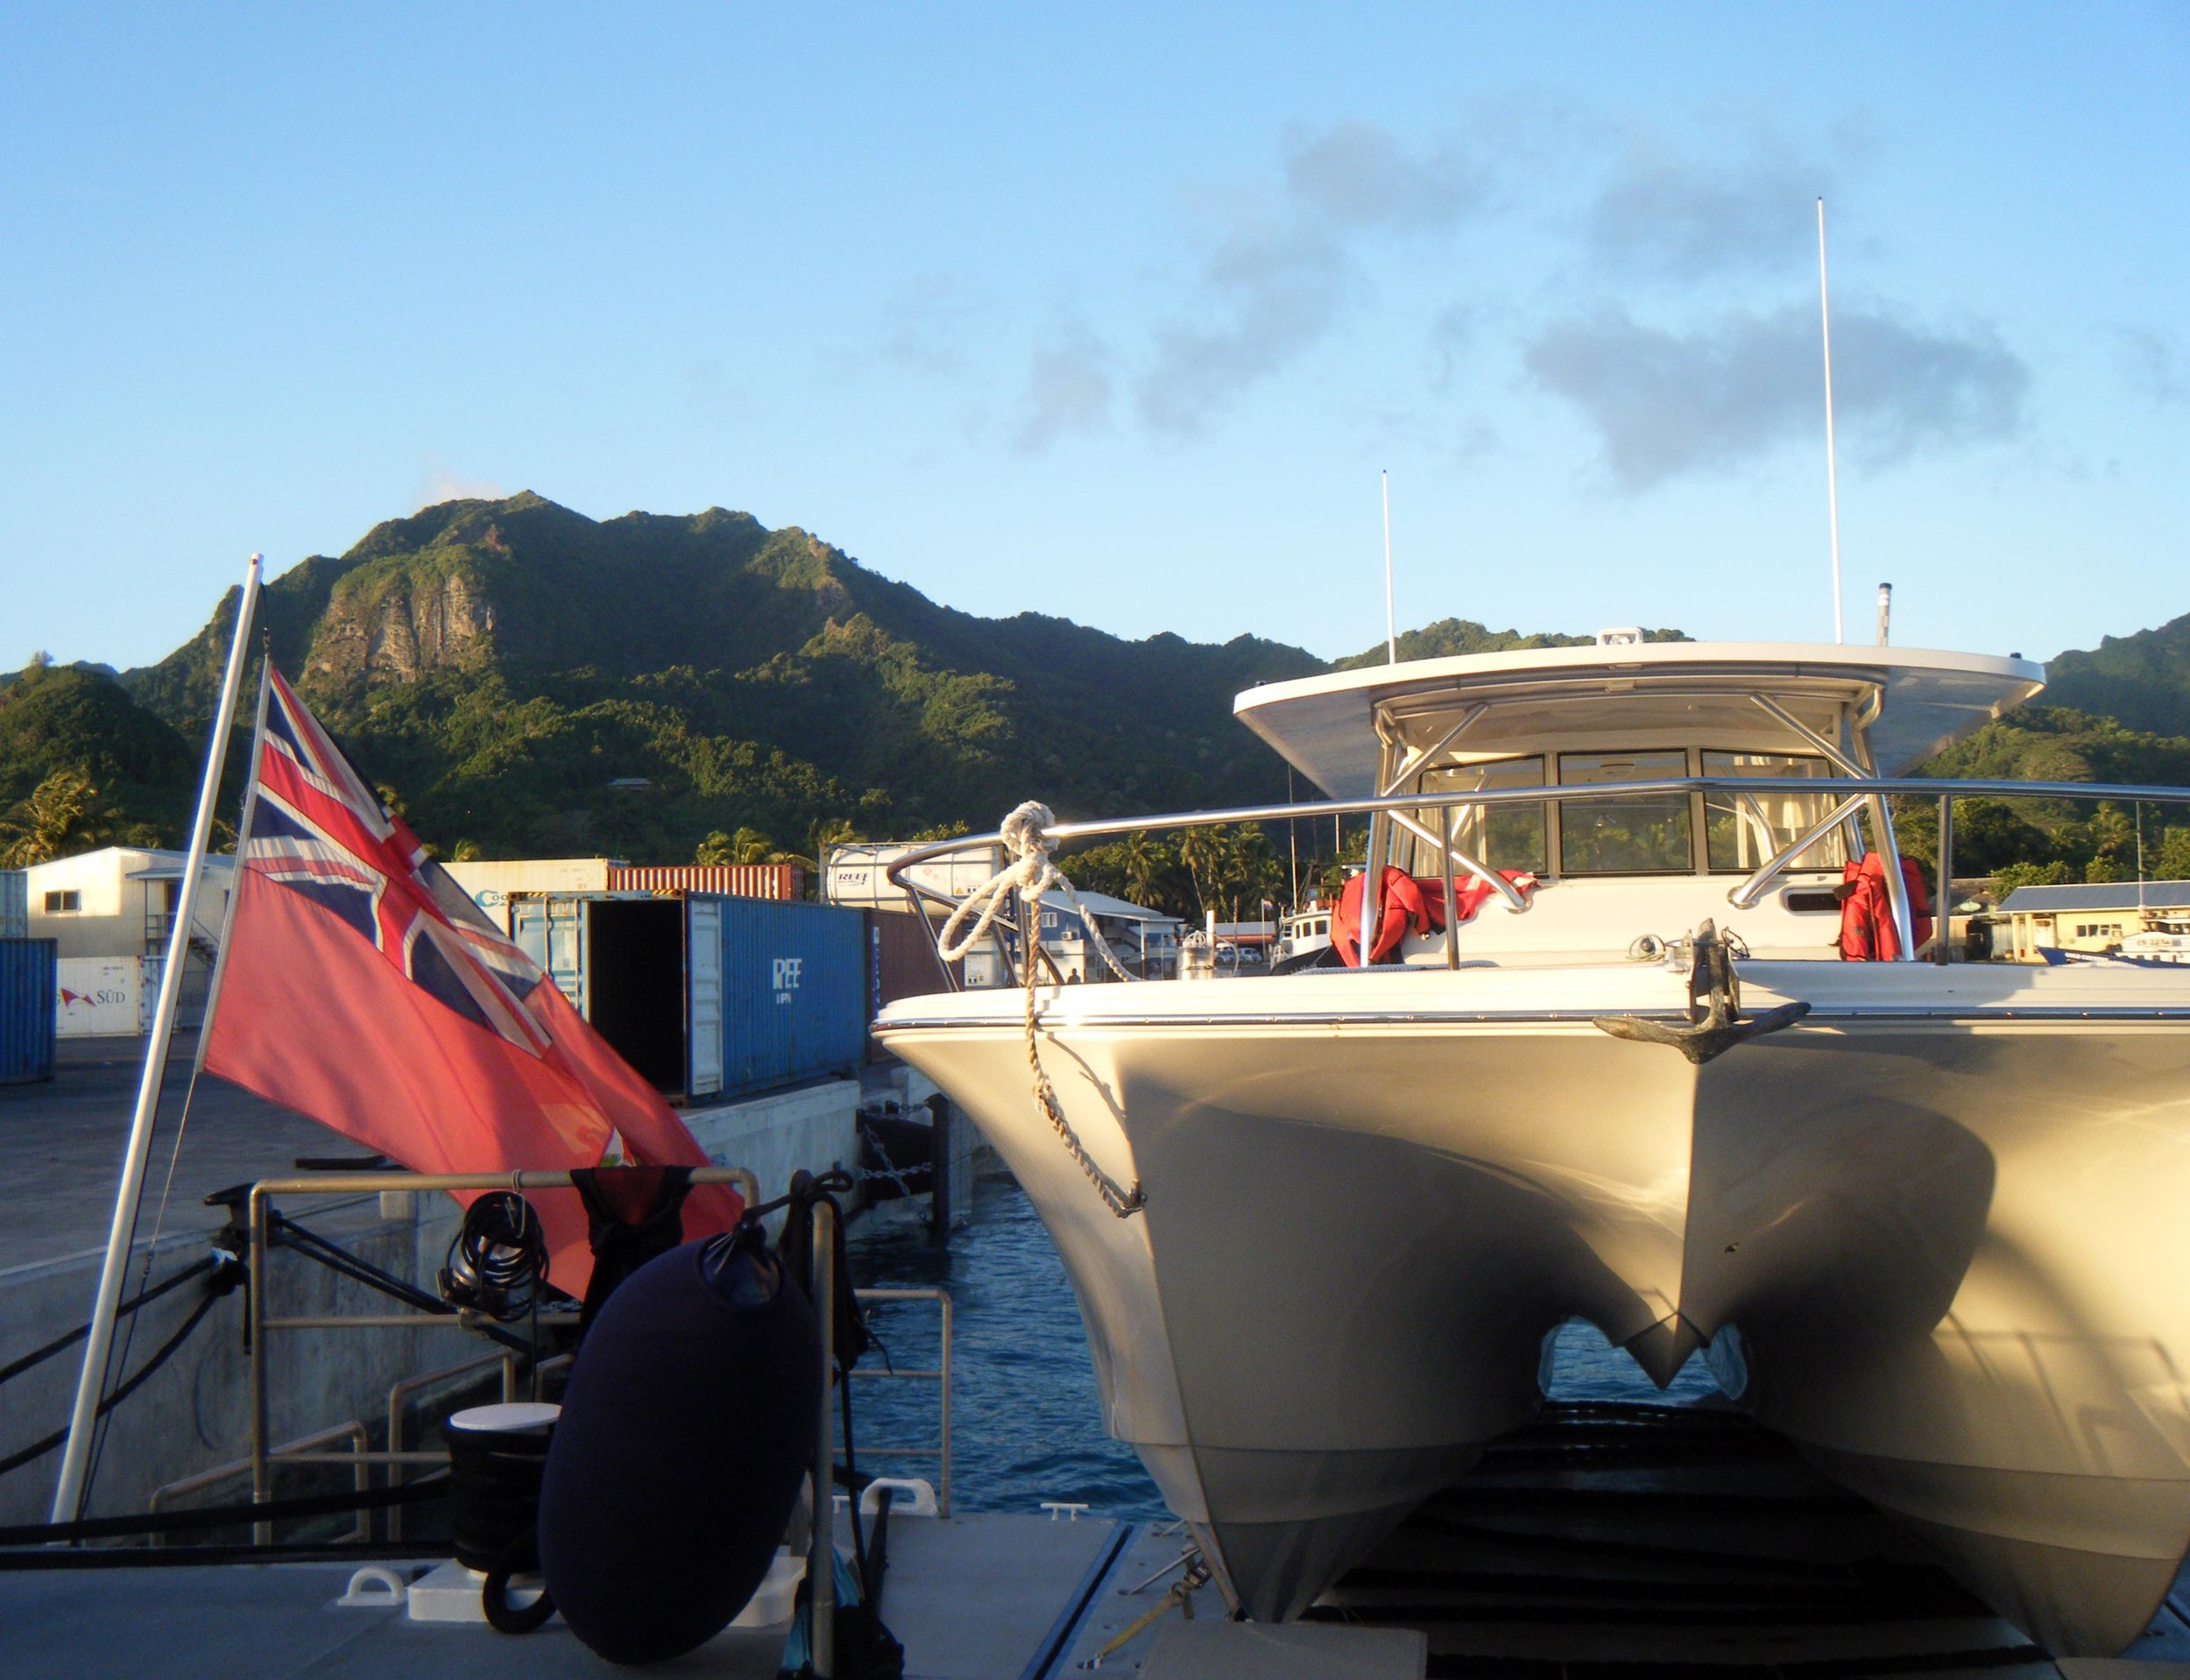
1573,1555
979,1598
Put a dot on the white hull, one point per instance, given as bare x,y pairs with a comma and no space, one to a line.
1940,1223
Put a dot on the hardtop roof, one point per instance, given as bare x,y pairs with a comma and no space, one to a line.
1324,725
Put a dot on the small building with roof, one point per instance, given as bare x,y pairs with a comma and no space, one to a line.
120,901
1145,941
2092,916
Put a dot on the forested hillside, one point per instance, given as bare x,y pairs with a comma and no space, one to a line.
81,764
511,668
527,681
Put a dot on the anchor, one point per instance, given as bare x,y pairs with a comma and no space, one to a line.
1716,1024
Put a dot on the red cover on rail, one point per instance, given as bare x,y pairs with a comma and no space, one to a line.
1409,904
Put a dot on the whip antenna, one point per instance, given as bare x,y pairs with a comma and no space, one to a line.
1391,641
1832,485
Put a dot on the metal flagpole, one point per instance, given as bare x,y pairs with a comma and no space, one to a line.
75,1457
243,832
1831,481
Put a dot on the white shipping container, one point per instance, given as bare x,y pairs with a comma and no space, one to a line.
858,876
492,883
104,997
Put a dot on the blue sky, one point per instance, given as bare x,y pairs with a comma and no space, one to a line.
1114,313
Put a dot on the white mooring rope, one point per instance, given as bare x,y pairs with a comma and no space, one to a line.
1031,874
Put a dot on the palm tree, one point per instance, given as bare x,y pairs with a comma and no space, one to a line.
747,845
1141,865
59,816
828,832
1201,850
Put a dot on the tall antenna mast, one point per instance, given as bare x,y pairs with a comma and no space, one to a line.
1391,639
1832,482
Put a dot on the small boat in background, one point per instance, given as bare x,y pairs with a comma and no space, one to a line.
2168,945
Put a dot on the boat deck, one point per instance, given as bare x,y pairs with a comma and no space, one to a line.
1608,1541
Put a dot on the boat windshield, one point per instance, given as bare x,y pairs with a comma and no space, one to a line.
1648,833
1504,837
1743,831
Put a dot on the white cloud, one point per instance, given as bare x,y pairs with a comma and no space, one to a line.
924,325
438,482
1277,260
1665,402
1675,218
2152,363
1068,389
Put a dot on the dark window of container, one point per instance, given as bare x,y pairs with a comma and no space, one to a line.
63,903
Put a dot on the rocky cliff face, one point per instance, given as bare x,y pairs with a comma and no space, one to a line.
407,626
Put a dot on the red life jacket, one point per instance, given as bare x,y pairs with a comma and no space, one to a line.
1400,909
1868,933
1409,904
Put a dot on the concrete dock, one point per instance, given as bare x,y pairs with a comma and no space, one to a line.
60,1148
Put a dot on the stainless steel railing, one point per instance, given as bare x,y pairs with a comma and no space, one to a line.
261,1324
262,1459
940,1375
1853,791
299,1451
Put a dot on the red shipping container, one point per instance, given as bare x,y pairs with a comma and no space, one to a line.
782,881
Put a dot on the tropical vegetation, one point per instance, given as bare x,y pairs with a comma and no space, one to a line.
538,683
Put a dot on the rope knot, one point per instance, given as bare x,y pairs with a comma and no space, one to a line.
1025,840
1030,873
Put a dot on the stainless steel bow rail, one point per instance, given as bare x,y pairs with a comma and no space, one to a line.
260,1324
1850,795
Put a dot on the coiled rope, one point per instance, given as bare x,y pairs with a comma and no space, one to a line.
1031,874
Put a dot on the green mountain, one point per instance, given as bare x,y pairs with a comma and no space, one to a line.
536,683
2142,681
505,665
2059,839
1449,637
59,720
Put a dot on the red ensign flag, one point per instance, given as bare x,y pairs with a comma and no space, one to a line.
360,985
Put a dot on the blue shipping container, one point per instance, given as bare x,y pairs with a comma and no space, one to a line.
794,991
708,994
27,1003
15,904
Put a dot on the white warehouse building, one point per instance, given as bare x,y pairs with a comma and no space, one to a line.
109,914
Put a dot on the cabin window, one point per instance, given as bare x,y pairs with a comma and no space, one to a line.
1503,836
1744,832
63,903
1646,835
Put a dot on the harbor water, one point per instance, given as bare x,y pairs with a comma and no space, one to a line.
1026,1426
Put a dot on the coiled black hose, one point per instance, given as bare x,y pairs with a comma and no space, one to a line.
499,1260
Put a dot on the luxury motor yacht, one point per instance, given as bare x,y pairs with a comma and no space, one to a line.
1610,1059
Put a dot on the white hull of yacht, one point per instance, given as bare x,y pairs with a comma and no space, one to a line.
1936,1227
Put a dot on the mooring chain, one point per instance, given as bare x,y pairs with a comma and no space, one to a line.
1032,874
